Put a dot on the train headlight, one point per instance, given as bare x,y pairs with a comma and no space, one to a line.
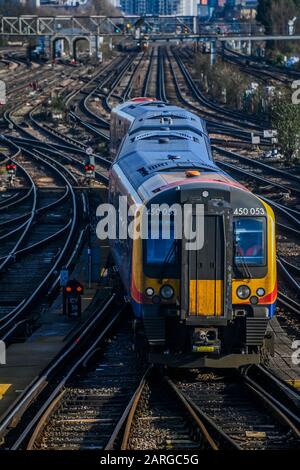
149,291
243,292
260,292
167,292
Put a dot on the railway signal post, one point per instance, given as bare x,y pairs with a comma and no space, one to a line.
63,280
73,290
89,167
11,169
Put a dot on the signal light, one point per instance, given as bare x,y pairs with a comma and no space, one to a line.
74,287
11,167
89,170
119,27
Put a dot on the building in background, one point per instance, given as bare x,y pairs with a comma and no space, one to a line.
169,7
35,3
206,9
248,9
151,7
188,7
127,6
115,3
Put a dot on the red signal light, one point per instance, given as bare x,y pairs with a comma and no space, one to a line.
11,166
79,289
68,289
92,167
87,167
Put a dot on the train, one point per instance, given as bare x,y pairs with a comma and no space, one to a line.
196,304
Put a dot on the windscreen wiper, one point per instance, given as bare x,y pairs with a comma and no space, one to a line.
244,262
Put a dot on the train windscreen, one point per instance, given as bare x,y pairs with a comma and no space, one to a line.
250,241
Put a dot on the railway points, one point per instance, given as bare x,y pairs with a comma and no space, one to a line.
112,378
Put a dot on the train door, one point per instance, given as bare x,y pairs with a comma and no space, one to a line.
206,271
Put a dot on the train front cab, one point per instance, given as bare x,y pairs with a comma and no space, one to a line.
223,294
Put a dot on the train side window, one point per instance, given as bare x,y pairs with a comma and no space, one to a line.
250,241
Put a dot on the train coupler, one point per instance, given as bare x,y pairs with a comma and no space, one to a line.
205,340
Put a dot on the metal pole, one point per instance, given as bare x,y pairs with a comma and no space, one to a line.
90,260
97,46
64,302
223,50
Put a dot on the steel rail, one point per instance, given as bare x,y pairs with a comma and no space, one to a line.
212,121
7,320
68,372
256,163
231,115
129,415
289,303
15,413
160,86
148,74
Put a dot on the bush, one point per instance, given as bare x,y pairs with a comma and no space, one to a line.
286,119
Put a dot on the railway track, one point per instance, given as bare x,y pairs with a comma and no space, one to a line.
240,413
161,90
257,71
103,403
82,97
190,100
230,116
262,66
206,410
41,244
147,79
80,347
84,415
160,418
107,405
78,101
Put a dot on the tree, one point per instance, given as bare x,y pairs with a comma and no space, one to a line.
286,119
7,7
264,14
275,14
101,7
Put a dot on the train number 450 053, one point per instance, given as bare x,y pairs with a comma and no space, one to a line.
249,211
